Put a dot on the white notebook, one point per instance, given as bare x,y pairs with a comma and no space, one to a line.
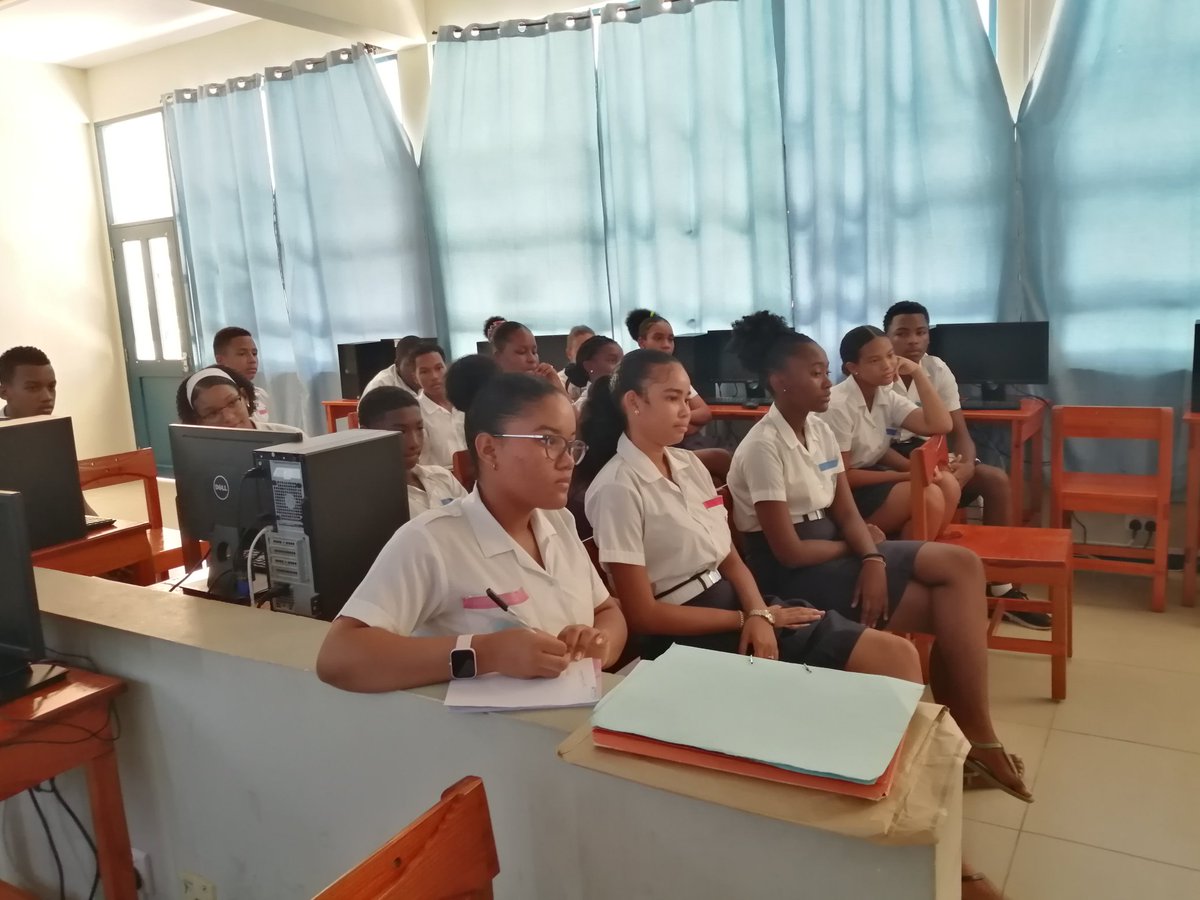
579,685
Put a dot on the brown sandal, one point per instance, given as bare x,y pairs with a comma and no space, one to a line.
985,773
973,782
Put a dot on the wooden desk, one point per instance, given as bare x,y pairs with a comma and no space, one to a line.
1026,425
119,546
56,729
735,412
1191,541
337,409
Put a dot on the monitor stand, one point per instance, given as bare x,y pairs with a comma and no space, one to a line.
18,678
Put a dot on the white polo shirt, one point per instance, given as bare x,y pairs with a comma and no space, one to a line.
276,426
676,527
771,464
445,433
389,377
262,402
439,487
432,577
944,383
866,434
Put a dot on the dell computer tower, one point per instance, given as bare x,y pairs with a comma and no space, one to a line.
336,499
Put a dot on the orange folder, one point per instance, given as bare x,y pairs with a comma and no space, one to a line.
706,759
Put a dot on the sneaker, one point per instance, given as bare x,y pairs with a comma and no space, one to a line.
1035,620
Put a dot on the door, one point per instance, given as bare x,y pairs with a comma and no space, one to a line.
146,270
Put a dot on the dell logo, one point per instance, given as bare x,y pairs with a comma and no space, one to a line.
221,488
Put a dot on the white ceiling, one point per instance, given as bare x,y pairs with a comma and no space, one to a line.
86,33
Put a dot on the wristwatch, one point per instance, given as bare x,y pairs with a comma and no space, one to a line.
462,658
765,613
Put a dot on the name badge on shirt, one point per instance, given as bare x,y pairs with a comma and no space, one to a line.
892,432
446,500
828,464
483,601
713,503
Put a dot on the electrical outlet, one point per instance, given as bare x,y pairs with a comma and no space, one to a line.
197,888
145,876
1134,524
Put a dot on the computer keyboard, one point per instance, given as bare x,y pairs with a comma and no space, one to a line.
991,404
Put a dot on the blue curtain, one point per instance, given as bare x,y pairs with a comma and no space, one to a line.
900,162
692,149
511,166
1109,144
356,263
217,140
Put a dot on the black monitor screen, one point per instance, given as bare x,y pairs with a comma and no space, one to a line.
210,468
994,352
20,626
37,460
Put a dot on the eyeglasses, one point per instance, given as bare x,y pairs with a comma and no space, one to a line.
218,414
555,445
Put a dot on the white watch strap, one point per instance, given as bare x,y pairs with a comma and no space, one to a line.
463,642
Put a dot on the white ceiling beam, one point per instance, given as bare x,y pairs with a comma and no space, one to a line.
387,23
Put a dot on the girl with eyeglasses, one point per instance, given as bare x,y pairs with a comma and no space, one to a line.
220,397
427,610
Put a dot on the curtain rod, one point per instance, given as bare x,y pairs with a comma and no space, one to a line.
594,11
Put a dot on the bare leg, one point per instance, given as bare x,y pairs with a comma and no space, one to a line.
896,510
880,653
946,599
992,484
951,494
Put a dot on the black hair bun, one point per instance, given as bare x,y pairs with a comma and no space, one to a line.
634,321
754,336
467,377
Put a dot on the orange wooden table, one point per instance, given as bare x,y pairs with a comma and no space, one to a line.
1191,541
1026,426
337,409
119,546
55,729
736,412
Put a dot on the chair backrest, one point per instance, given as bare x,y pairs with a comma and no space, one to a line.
727,498
463,468
450,851
352,420
923,467
122,468
1138,423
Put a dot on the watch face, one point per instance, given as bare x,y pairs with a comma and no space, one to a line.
462,663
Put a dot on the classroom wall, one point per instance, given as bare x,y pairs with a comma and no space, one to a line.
55,276
1022,27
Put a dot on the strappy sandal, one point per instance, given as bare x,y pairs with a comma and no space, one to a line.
973,782
984,772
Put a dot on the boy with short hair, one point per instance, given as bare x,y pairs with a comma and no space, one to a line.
400,374
28,386
907,324
234,348
444,425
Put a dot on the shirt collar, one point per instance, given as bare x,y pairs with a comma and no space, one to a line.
642,465
494,540
786,432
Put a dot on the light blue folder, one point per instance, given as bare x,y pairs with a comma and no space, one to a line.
816,721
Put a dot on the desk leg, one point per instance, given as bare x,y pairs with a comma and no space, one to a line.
1192,539
112,834
330,421
1016,476
143,573
1060,629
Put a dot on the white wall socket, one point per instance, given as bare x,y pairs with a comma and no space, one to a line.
197,888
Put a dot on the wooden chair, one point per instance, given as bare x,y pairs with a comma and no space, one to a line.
449,852
352,420
1009,554
463,468
1139,495
166,544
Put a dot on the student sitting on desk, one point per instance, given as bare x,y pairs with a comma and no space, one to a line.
444,434
599,356
515,350
220,397
400,373
234,348
663,535
907,325
430,592
806,538
575,339
391,409
865,414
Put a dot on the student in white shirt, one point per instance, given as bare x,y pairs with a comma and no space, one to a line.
865,414
663,535
400,373
515,350
444,425
490,324
220,397
234,348
805,537
907,326
28,385
391,409
575,339
597,357
427,595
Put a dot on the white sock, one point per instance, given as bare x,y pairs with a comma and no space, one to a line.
999,590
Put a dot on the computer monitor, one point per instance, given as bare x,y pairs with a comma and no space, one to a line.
717,373
1196,369
359,362
994,354
20,623
38,461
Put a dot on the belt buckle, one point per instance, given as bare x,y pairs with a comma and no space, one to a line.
708,579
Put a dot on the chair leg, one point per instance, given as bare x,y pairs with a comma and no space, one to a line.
1060,629
1161,546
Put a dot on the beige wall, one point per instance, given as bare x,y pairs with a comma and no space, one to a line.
1021,30
55,276
465,12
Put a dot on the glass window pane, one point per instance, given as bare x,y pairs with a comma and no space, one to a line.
135,169
164,298
389,74
139,300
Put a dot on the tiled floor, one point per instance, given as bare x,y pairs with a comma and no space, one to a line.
1115,767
